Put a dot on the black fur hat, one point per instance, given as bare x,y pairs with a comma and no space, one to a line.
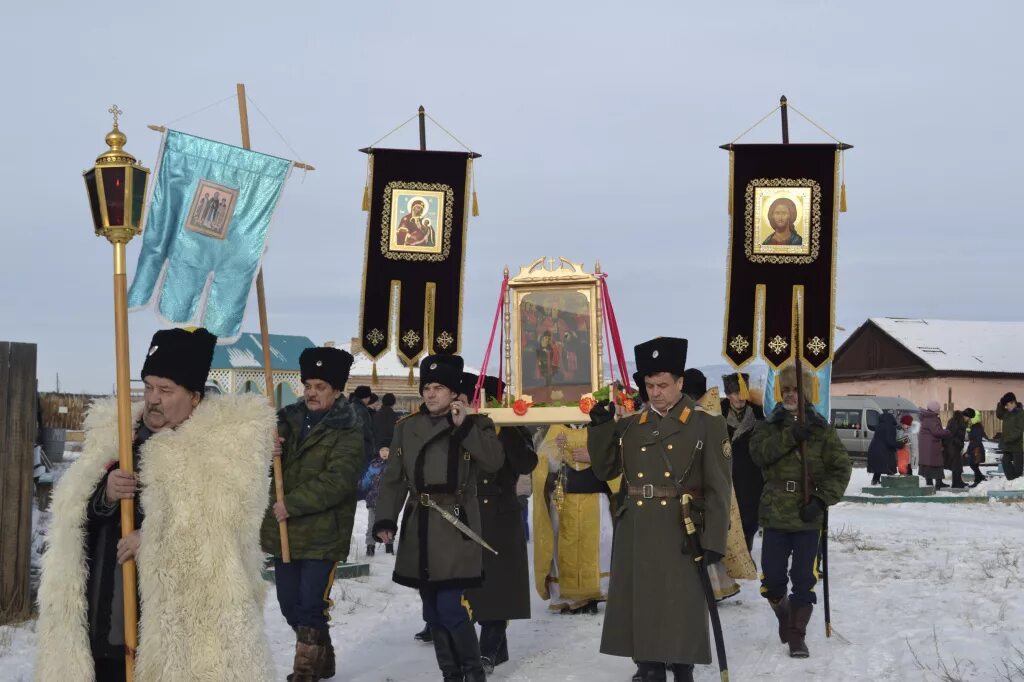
641,387
663,354
441,369
468,386
182,356
731,382
695,384
362,392
328,364
1008,398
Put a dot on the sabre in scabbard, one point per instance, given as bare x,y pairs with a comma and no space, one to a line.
693,540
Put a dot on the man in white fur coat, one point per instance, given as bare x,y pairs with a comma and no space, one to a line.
200,484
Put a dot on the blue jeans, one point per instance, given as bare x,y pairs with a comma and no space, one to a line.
304,591
777,547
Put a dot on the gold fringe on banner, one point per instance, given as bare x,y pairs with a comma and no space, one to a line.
732,171
369,179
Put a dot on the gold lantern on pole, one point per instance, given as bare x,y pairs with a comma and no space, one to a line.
116,186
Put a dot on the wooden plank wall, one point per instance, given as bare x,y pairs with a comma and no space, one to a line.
17,436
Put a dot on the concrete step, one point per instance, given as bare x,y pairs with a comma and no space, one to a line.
899,492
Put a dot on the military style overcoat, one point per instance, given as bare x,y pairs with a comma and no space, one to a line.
656,608
431,456
505,593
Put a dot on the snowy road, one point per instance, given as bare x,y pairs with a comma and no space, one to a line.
917,590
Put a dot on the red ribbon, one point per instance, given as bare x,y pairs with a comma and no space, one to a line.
475,398
614,331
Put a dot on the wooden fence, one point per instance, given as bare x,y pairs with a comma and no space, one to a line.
65,410
18,428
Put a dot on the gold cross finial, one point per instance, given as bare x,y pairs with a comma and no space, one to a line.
116,112
552,263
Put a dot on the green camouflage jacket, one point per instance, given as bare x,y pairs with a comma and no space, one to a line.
320,477
773,449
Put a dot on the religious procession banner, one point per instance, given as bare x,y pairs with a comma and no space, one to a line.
415,251
205,232
784,205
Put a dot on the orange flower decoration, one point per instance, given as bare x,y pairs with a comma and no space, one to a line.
520,407
587,404
628,404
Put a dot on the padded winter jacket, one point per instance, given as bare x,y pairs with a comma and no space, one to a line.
773,448
321,472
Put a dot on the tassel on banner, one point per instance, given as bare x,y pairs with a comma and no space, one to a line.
777,390
842,198
476,206
412,379
744,390
373,375
366,198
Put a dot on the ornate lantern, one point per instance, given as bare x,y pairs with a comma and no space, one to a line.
117,189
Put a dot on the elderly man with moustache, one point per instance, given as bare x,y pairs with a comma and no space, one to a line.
200,465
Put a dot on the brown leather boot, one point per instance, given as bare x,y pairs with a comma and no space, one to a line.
798,619
309,655
781,609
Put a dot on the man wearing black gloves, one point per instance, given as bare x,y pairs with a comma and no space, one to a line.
792,528
657,608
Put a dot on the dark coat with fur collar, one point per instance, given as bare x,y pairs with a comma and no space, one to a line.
433,456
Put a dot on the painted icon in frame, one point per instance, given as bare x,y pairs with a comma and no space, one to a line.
782,220
417,217
556,344
212,207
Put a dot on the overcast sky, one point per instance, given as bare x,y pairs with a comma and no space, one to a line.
599,125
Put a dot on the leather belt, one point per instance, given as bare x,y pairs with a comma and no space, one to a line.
448,499
650,492
785,486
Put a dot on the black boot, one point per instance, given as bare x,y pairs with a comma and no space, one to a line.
467,648
447,658
651,672
389,548
799,616
371,550
939,485
958,480
682,672
424,635
781,609
493,644
327,669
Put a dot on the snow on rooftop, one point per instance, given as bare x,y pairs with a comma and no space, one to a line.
242,357
960,345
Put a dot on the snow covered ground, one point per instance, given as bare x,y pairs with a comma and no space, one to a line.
919,592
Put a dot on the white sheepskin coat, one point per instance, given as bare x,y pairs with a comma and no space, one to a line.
204,493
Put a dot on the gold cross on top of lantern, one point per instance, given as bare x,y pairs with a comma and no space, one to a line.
117,189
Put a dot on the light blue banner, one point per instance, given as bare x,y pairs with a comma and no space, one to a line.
824,386
205,232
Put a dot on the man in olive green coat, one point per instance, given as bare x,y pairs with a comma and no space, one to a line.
792,528
321,446
436,454
1011,439
657,610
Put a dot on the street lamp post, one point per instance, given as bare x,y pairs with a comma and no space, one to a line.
116,186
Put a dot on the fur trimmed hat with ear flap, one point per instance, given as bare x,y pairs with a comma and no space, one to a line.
442,369
327,364
695,384
182,356
787,378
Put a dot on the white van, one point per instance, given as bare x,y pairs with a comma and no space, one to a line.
856,416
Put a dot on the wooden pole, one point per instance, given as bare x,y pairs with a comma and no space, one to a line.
268,372
17,435
785,119
423,129
124,452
